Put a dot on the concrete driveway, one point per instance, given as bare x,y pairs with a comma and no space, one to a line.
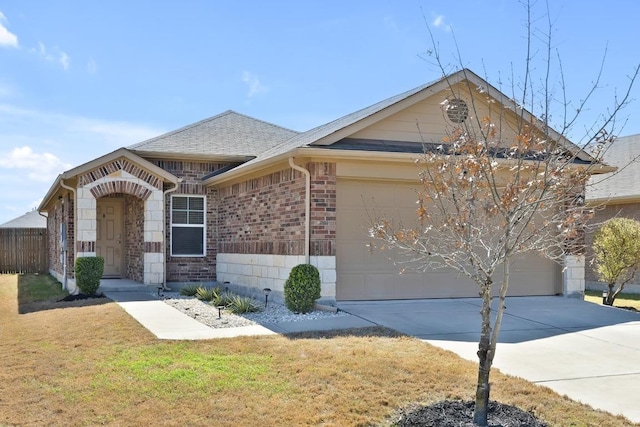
589,352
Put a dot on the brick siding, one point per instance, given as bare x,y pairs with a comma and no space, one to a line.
266,215
134,238
62,213
192,269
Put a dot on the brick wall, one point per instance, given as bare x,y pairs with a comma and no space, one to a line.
630,210
134,238
62,213
192,269
323,208
266,215
263,215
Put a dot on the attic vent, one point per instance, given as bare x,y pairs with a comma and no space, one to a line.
457,110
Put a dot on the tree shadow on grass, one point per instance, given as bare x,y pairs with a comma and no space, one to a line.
44,293
374,331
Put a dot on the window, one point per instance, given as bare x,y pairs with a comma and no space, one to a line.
188,226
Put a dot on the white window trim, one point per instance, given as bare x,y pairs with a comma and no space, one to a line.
203,226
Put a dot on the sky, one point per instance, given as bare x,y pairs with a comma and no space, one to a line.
79,79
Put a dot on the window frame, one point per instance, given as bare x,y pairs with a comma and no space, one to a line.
203,226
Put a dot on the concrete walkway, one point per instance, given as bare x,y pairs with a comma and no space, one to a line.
589,352
168,323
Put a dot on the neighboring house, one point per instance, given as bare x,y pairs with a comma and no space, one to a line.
615,194
31,219
238,200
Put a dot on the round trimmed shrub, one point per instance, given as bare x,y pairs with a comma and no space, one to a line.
88,273
302,288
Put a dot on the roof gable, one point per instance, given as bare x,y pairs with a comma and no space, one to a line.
228,135
350,124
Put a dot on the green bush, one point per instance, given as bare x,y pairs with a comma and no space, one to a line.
222,299
207,294
88,273
189,290
239,305
302,288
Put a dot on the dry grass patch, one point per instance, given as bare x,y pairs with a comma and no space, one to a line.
96,365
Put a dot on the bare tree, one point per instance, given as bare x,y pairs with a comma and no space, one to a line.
500,184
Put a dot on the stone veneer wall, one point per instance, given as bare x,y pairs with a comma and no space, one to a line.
192,269
254,272
261,229
627,210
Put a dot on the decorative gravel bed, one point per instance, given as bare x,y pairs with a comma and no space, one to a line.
208,314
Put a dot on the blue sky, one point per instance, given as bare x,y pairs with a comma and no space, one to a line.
79,79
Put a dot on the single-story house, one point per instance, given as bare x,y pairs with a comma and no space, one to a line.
235,199
615,195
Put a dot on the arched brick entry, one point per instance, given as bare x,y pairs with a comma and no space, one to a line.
121,176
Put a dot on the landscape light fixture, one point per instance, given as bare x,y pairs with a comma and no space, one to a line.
266,291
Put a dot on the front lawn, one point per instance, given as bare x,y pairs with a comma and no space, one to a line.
91,365
623,300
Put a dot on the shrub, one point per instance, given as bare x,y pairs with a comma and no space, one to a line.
189,290
616,246
302,288
222,299
88,273
207,294
239,305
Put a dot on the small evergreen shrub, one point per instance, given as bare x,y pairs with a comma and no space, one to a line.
239,305
302,288
189,290
88,273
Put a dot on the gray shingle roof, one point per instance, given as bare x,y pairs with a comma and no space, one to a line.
229,134
313,135
29,220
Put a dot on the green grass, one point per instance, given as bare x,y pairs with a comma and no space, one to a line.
623,300
39,287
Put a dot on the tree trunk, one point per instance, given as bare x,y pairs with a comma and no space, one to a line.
485,359
611,295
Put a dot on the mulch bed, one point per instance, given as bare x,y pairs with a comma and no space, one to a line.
80,297
460,414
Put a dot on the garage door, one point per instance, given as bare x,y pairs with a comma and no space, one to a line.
363,274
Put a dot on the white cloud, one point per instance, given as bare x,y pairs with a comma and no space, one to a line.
254,84
439,22
7,38
92,66
41,167
64,60
53,55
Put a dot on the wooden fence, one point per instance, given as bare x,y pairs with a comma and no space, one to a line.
23,250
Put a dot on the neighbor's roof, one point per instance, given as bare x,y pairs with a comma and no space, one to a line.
620,186
29,220
226,135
